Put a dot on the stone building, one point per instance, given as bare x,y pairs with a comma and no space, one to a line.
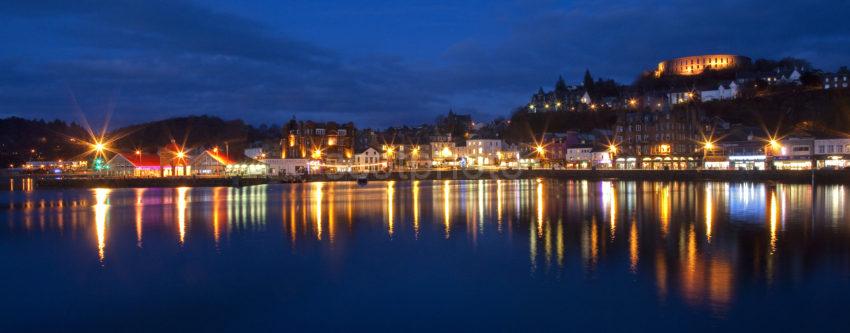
329,142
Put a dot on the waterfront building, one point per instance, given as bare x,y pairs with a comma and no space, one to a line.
739,155
55,166
412,156
246,167
484,152
694,65
587,156
793,153
136,164
601,157
837,80
330,143
658,140
174,160
443,153
832,153
287,166
209,162
579,157
368,160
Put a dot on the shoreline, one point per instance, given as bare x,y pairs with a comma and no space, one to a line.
784,176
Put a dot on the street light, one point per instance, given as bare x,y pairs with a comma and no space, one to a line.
541,151
612,150
706,148
774,144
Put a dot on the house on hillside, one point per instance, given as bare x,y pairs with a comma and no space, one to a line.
722,91
837,80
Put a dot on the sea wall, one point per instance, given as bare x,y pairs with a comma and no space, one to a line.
785,176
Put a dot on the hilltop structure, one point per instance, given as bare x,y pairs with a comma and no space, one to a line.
695,65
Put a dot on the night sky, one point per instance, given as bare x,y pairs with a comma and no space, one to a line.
377,63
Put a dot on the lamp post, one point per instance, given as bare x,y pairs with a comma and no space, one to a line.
415,154
541,153
773,149
612,150
707,147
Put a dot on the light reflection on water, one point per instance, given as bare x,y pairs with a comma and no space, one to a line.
698,243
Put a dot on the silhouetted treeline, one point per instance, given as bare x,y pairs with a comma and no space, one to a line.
23,140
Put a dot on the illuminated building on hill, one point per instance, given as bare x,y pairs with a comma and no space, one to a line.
695,65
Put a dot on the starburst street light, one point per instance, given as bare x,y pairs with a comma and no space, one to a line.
774,144
541,151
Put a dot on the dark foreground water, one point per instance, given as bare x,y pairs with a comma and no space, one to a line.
520,255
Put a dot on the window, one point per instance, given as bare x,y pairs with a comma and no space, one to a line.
320,131
341,132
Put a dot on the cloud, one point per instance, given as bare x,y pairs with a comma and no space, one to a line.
155,59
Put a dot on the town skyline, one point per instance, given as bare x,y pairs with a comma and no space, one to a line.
259,63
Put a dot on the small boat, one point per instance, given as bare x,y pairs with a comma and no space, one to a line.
362,180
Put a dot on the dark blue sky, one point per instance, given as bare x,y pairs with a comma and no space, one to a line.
377,63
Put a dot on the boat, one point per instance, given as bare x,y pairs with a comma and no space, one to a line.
362,180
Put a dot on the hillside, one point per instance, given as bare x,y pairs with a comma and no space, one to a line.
23,140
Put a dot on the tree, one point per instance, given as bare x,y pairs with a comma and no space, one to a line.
588,80
560,86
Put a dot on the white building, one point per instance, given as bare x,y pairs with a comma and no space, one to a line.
723,92
836,80
794,154
579,157
832,153
368,160
585,99
678,97
287,166
484,151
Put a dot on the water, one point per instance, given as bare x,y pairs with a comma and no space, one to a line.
520,255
